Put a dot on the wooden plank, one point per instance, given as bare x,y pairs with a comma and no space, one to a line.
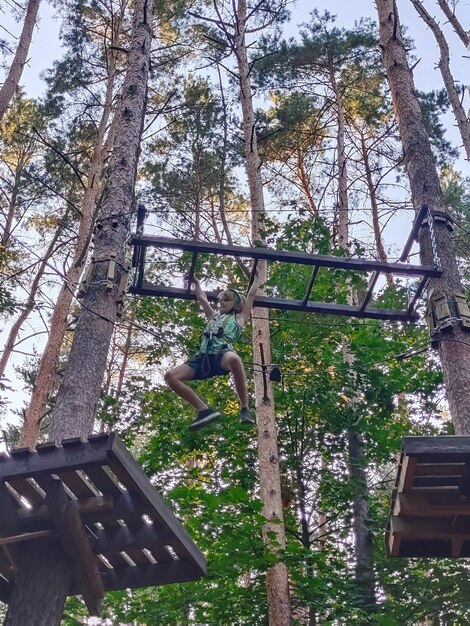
82,549
115,560
89,506
102,481
149,576
456,547
439,469
22,452
131,474
40,447
27,490
79,487
128,538
76,484
138,557
407,472
465,481
430,482
6,588
74,441
393,544
430,505
9,522
439,548
72,534
437,528
322,308
127,507
286,256
52,459
5,562
139,535
39,534
455,448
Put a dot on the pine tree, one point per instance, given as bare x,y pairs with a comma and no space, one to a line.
453,347
43,576
16,68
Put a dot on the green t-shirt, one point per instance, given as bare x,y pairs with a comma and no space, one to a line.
212,341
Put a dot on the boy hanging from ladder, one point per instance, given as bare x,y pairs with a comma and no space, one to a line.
216,355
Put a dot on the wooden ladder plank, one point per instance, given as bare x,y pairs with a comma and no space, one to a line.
430,505
407,473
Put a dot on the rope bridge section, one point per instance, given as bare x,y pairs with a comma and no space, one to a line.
318,263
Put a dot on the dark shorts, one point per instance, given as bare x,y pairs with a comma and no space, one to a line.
208,365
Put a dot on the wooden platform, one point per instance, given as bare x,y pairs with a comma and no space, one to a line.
430,512
94,500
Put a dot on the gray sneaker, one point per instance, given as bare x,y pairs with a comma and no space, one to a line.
246,418
204,418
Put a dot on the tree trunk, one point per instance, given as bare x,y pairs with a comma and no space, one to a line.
341,161
28,307
374,206
126,353
46,377
463,123
12,206
79,392
454,347
363,539
277,579
304,182
456,25
78,395
42,584
16,69
363,552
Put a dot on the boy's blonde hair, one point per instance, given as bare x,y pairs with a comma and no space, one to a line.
232,294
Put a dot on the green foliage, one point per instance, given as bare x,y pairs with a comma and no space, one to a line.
456,191
323,48
393,387
433,104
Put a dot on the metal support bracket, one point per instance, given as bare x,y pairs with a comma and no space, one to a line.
85,283
110,276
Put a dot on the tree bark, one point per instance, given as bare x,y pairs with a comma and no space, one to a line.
463,123
277,579
46,377
341,165
363,538
456,25
454,346
79,392
78,395
12,206
29,305
304,182
363,544
16,69
44,577
374,206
